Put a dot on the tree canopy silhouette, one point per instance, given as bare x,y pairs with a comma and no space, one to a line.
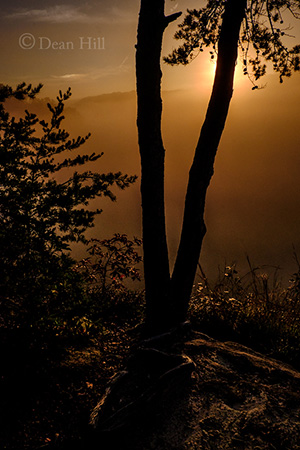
258,29
263,36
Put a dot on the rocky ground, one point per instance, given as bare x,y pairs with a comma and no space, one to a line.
233,398
211,395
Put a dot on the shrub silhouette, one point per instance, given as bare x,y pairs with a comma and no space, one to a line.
41,213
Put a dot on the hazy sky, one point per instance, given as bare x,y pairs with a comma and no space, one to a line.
89,44
254,199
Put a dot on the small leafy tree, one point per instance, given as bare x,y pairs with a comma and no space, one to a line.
40,215
106,271
111,262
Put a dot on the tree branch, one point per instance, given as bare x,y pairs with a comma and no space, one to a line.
171,18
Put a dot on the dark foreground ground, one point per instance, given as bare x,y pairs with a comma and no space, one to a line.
235,398
49,384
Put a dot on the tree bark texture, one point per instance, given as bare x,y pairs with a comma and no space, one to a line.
152,23
193,229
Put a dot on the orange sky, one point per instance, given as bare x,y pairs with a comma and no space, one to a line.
254,201
88,45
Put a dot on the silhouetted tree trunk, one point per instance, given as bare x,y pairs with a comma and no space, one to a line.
193,229
167,300
152,23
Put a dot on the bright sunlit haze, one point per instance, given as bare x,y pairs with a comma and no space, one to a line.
253,201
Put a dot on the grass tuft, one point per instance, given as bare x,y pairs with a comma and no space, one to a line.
253,308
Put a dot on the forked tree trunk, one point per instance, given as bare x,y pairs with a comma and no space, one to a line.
152,23
193,229
167,300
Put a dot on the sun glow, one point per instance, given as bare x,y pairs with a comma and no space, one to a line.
203,74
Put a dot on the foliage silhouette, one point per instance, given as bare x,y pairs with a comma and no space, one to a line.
262,38
111,262
43,208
